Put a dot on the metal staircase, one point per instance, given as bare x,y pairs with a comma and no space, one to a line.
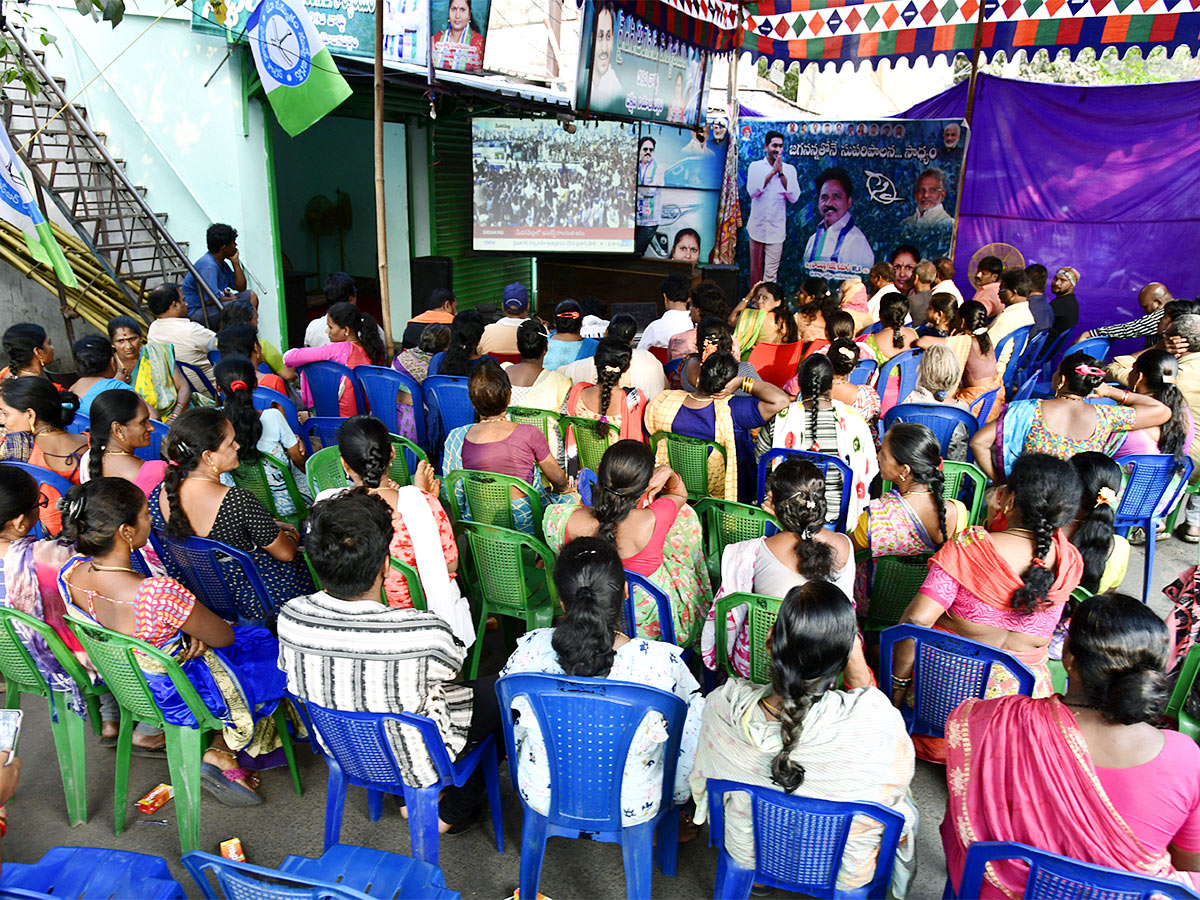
73,169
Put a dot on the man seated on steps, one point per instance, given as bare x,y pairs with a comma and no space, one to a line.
221,269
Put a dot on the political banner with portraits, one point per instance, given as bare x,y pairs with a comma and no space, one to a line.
830,199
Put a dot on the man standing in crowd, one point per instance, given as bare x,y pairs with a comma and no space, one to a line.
928,194
650,179
221,269
772,184
838,249
987,284
440,308
675,320
1064,304
1152,298
501,335
924,275
1043,315
171,325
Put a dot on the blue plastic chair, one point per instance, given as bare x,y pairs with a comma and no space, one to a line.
223,578
359,752
153,450
324,380
861,373
325,428
1028,386
265,398
939,418
196,378
80,424
666,619
906,362
342,872
1054,877
824,462
585,484
1095,347
982,407
948,669
380,385
1152,488
874,328
1031,359
587,725
798,842
45,479
1017,338
89,873
449,403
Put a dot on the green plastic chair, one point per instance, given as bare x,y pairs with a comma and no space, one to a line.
760,617
727,522
115,657
956,473
1183,687
894,583
543,419
589,445
504,579
22,676
688,456
324,471
488,497
253,477
413,580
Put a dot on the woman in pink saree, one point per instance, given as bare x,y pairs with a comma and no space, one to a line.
1084,775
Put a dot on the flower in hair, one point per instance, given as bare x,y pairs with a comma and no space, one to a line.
1085,369
847,353
1106,496
978,331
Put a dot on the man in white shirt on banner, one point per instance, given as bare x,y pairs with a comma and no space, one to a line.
650,179
838,249
928,194
772,184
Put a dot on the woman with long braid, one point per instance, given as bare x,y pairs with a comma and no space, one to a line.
801,735
1004,588
892,338
121,425
354,341
605,401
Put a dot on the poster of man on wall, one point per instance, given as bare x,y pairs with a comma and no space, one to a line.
829,199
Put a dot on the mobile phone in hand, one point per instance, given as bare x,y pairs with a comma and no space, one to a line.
10,731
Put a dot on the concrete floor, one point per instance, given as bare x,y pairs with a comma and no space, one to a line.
288,824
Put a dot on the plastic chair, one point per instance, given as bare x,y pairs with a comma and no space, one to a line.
1016,340
863,372
1095,347
660,353
798,842
776,363
323,471
726,522
449,402
961,477
1154,484
487,497
939,418
982,407
906,363
588,725
265,398
948,669
666,618
585,484
381,386
325,380
52,486
223,578
541,419
359,752
1032,356
196,378
761,613
1027,387
90,872
253,477
589,446
341,873
115,657
153,450
325,428
505,579
824,462
80,424
895,581
1177,705
22,676
873,328
688,456
1054,877
412,578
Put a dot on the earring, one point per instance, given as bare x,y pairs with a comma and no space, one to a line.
216,471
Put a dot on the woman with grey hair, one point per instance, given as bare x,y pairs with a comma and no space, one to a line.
937,380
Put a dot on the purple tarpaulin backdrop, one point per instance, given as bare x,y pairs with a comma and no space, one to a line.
1106,179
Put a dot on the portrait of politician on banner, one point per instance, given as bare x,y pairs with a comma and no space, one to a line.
830,199
678,190
460,30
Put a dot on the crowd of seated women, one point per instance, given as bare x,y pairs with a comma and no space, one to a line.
1018,768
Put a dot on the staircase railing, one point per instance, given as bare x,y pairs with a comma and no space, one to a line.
103,196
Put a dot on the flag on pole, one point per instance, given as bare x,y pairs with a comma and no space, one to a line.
18,208
300,78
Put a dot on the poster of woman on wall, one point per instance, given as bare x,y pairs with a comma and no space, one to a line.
459,43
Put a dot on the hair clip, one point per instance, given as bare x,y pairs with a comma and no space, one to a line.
1106,496
1167,378
979,331
238,385
1039,562
182,447
847,353
1085,369
612,370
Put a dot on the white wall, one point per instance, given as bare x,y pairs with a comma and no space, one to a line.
184,142
22,300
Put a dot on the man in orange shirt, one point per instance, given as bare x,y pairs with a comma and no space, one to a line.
440,308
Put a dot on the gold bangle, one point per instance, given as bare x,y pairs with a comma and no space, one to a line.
747,384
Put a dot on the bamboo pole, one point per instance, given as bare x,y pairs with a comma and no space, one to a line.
380,195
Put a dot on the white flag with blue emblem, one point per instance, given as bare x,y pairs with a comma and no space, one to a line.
298,73
17,207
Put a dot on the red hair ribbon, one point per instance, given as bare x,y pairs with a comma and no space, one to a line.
238,385
1039,562
569,314
1089,370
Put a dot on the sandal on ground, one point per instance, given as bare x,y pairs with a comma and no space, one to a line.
222,784
1184,535
150,752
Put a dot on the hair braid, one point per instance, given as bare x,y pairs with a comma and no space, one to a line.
1038,577
99,442
937,487
785,771
178,525
607,381
814,397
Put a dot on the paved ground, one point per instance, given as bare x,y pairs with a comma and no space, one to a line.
288,824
